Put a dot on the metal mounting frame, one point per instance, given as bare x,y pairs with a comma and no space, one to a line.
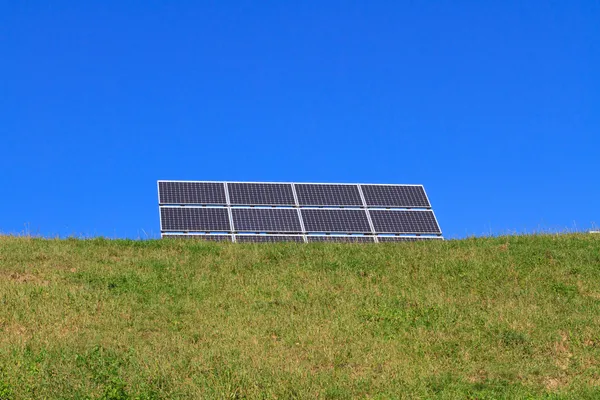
303,233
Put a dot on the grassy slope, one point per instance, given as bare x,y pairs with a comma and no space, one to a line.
511,317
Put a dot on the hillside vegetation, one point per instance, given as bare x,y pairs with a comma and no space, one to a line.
507,317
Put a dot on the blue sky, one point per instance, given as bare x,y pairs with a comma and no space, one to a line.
493,106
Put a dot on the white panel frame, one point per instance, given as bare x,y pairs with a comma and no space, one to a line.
159,213
299,183
298,210
364,201
229,209
427,197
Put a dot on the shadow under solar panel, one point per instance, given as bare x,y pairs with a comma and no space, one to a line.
383,239
340,239
268,238
210,238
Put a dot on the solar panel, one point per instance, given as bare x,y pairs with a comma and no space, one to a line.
211,238
266,212
340,239
266,220
268,238
404,196
404,221
332,220
171,192
383,239
328,195
265,194
187,219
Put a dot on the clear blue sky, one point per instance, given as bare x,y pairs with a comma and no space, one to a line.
493,106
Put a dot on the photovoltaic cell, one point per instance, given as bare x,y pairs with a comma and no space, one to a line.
404,221
268,238
266,220
261,194
330,220
212,193
383,239
201,219
395,196
328,195
210,238
340,239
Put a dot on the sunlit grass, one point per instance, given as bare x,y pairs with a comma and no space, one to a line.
508,317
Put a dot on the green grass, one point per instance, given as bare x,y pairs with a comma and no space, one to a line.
509,317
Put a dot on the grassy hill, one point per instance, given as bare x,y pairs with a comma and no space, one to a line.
508,317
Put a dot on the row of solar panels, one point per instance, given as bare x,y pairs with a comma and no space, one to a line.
300,220
292,194
301,238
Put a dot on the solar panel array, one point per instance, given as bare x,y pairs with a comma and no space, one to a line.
296,212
